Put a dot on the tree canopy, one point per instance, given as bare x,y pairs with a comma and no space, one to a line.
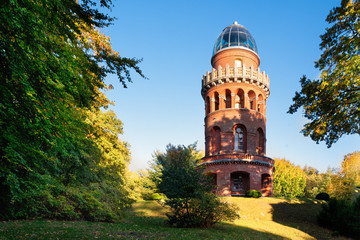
57,142
332,102
289,180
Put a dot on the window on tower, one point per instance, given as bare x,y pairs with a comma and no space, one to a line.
252,99
216,101
228,98
207,105
239,99
260,142
239,138
260,107
215,140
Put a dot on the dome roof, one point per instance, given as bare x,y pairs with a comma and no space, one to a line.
235,36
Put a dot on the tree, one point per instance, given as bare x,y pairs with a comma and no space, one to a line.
180,177
346,178
332,102
189,190
315,182
289,180
57,143
350,168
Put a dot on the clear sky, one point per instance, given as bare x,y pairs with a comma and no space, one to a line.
175,40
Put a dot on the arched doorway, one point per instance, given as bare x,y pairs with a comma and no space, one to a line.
240,183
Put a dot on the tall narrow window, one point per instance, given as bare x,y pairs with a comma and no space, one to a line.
207,105
216,101
260,106
239,139
239,99
228,99
252,100
237,63
260,142
215,142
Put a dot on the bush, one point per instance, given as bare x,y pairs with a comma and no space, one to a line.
158,196
323,196
191,201
200,212
253,193
342,216
94,203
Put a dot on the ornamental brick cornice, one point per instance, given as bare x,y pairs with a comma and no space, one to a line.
238,158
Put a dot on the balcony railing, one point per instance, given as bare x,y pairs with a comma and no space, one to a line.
235,74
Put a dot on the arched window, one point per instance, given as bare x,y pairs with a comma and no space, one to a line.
260,141
216,101
260,105
237,63
252,99
239,99
228,98
207,105
215,140
240,138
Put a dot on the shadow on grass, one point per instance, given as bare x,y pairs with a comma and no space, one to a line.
301,214
148,220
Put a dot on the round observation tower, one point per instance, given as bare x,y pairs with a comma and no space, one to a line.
235,94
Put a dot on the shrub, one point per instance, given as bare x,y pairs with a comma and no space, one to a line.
342,216
253,193
191,201
158,196
200,212
323,196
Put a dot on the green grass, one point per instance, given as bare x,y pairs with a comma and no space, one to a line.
263,218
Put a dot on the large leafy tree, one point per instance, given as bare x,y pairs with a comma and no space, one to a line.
289,180
332,102
53,62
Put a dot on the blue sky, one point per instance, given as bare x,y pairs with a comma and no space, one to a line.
175,40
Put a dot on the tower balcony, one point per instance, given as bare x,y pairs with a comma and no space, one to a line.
235,74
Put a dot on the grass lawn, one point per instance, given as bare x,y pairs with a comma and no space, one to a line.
264,218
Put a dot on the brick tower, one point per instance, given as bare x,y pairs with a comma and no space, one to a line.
235,94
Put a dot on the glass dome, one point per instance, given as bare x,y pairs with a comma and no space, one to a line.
235,36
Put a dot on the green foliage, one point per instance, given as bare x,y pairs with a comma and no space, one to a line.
323,196
158,196
180,175
344,181
200,212
253,193
342,216
316,182
53,135
289,180
332,102
188,190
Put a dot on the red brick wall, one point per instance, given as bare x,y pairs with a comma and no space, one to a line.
229,56
223,175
